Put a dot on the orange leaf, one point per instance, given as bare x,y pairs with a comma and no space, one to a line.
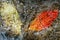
43,20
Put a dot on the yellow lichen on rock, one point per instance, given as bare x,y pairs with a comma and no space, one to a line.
11,18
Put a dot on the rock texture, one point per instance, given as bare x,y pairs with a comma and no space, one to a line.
27,10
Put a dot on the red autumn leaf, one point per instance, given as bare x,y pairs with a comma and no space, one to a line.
43,20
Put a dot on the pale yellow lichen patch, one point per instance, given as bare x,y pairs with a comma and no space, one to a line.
11,18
